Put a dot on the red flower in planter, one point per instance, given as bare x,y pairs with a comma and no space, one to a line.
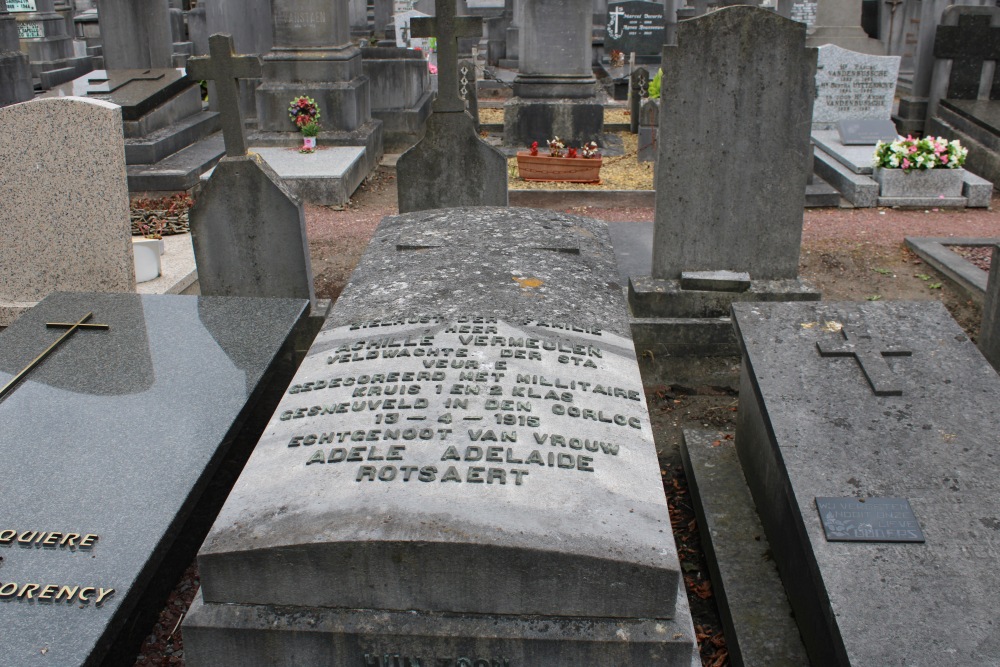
534,148
571,152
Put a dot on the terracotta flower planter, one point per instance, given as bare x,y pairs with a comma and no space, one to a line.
567,169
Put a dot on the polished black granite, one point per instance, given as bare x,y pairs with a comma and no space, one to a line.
115,434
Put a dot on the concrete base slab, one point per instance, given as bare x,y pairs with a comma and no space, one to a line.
856,158
177,172
859,189
167,141
659,338
967,276
235,635
922,202
654,297
327,177
753,607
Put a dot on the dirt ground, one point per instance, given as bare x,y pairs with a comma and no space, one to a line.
849,254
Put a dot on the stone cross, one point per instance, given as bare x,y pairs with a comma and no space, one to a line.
969,44
448,29
225,68
71,328
871,359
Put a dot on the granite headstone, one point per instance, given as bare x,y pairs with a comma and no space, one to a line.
635,26
852,85
464,460
62,162
142,415
989,333
813,427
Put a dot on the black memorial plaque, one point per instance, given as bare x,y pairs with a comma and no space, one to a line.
868,520
866,131
635,27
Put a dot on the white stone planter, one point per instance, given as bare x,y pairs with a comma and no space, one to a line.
147,258
920,182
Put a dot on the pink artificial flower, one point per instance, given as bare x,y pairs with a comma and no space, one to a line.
432,68
906,163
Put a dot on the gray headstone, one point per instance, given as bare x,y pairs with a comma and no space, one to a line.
249,23
451,166
989,334
740,85
430,353
249,234
811,426
46,38
851,85
62,161
15,74
115,520
649,122
135,35
839,22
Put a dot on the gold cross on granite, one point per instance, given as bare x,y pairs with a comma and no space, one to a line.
71,328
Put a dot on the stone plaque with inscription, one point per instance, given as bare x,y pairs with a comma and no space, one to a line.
109,443
869,520
853,85
462,471
636,27
820,445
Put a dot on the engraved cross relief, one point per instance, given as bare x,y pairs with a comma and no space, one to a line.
71,328
871,358
448,29
99,86
969,44
225,68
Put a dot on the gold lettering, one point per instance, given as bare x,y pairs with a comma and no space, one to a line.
8,590
68,591
51,540
103,593
88,541
69,539
46,593
27,590
85,598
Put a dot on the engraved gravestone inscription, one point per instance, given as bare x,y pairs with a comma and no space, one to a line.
468,443
851,85
869,520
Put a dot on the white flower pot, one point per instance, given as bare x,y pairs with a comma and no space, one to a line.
309,142
147,259
920,182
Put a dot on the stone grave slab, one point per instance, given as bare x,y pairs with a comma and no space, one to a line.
141,414
812,426
327,177
478,367
758,623
136,91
